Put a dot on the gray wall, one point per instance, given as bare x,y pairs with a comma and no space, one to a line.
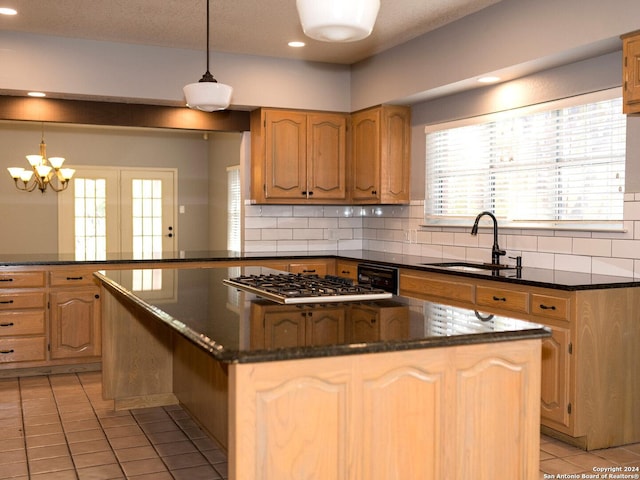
599,73
224,151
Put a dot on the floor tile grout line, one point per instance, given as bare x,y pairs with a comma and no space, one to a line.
24,429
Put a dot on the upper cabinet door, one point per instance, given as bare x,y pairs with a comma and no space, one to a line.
285,159
395,157
326,156
631,72
365,156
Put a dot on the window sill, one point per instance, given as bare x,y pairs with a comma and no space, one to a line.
605,226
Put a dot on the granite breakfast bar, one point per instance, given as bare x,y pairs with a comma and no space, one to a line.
443,392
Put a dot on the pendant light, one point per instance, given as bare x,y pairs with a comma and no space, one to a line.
338,20
207,94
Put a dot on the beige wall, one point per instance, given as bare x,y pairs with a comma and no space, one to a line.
29,220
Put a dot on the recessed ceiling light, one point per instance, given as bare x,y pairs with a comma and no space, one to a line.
37,94
296,44
7,11
489,79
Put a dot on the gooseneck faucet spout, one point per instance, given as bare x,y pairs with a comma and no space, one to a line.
496,252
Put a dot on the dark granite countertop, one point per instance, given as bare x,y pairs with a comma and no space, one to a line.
197,305
539,277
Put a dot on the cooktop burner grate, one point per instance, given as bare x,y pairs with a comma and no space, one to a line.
301,288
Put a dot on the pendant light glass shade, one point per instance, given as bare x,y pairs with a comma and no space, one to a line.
338,20
207,94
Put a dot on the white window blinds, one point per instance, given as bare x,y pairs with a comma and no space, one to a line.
560,164
233,208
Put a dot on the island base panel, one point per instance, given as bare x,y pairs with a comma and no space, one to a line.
442,413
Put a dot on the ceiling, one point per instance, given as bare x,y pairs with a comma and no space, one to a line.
253,27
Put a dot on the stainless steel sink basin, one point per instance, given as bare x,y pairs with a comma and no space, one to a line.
469,266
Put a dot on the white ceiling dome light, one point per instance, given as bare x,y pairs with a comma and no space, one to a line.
207,94
338,20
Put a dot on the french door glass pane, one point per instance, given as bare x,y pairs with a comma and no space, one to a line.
90,219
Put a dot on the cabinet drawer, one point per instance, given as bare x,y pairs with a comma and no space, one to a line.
66,278
550,306
503,299
21,323
423,286
16,301
347,270
22,349
309,268
21,279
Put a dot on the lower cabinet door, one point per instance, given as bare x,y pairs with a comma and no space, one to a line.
75,323
555,396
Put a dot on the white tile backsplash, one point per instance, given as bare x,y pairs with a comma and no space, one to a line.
396,229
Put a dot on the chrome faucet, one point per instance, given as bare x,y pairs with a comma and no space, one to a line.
496,253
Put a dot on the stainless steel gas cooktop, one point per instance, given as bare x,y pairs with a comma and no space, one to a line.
298,288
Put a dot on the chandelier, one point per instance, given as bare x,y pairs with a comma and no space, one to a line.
338,20
207,94
43,173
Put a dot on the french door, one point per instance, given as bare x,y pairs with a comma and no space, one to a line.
110,210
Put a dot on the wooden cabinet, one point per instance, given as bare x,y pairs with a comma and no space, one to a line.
74,303
286,326
380,321
75,322
22,317
431,409
502,298
555,397
311,267
49,317
631,72
298,156
347,269
380,162
290,326
586,397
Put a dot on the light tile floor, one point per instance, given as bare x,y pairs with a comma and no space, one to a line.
558,458
58,427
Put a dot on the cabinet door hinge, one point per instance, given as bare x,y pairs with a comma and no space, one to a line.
570,348
569,409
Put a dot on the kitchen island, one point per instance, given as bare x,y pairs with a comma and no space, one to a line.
398,388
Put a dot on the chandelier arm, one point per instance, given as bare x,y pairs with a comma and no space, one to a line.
63,186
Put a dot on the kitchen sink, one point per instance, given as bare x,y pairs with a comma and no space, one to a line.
470,266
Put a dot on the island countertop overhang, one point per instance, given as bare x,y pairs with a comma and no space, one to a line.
200,311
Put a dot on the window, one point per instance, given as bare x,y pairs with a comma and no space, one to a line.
233,209
560,164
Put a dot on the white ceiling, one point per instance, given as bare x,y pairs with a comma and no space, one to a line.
254,27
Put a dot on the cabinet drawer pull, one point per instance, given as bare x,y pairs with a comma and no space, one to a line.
74,278
346,272
6,279
10,324
546,307
6,352
499,299
309,271
6,301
